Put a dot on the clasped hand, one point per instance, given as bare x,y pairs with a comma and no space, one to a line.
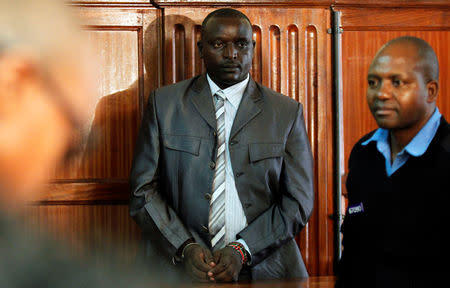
223,265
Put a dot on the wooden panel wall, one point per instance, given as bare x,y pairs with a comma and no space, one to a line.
126,43
86,202
104,229
292,56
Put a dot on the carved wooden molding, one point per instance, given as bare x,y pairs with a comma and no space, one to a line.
306,3
290,3
357,19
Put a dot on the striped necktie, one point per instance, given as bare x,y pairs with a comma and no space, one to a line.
217,202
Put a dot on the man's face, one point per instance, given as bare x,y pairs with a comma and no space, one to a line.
397,93
227,50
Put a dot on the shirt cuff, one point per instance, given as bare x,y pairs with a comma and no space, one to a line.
242,241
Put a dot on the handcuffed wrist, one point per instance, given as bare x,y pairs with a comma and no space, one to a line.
184,249
179,255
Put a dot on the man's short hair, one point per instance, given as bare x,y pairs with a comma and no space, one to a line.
224,12
427,59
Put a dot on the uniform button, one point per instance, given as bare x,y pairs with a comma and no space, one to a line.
234,142
208,196
205,229
212,165
215,133
238,174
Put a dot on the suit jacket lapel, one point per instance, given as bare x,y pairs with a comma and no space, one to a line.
202,99
248,108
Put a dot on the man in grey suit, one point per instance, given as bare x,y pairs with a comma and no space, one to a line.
261,168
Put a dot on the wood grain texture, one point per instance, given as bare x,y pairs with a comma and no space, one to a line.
71,193
76,206
357,19
182,58
292,56
310,282
179,71
293,51
275,58
256,70
307,3
119,37
393,3
236,3
112,2
87,228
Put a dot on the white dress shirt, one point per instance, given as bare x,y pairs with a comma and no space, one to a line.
235,219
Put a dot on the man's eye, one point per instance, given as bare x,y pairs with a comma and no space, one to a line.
242,44
396,82
218,44
372,83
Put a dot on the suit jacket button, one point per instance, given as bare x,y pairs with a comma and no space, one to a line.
208,196
233,142
238,174
215,133
205,229
212,165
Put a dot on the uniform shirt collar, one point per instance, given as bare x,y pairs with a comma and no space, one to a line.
418,145
233,93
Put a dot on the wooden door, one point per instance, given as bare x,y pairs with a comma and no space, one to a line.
86,202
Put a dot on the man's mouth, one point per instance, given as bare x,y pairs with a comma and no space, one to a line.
383,111
230,66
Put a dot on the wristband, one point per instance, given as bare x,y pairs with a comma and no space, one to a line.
241,250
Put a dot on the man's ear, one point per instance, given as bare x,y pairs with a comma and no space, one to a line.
200,48
432,91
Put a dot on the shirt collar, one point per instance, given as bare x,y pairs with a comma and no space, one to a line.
419,144
233,93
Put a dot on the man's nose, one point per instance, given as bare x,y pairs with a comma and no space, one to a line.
230,51
385,90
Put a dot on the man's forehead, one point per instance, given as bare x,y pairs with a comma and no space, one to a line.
218,24
228,18
400,58
390,61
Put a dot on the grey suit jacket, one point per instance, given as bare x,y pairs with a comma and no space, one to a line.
272,165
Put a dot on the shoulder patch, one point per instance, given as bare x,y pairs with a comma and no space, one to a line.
356,209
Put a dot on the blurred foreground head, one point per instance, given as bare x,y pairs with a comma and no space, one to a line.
45,88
